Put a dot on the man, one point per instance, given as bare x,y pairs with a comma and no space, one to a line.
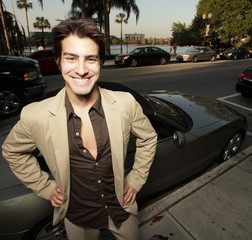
83,133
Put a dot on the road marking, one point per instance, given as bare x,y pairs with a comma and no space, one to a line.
237,105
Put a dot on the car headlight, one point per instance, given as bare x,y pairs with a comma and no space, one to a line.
229,54
126,57
30,76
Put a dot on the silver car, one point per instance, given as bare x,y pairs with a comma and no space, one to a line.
197,54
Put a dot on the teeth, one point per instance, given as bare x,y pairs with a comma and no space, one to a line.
81,80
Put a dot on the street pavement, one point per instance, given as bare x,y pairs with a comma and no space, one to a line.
217,205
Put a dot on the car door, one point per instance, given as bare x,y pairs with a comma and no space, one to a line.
155,55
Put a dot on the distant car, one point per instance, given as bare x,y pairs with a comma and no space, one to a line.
244,83
20,81
234,53
46,61
192,132
143,56
196,54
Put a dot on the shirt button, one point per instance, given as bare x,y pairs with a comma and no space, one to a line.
85,150
99,181
106,206
77,134
102,195
96,163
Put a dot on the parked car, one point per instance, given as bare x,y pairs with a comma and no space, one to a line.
234,53
46,61
20,81
143,56
192,132
244,83
196,54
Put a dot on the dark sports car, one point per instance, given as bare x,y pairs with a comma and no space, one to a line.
234,53
143,56
244,83
192,132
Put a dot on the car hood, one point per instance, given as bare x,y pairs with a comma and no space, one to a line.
18,61
203,111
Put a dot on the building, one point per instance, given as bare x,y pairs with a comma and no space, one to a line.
134,38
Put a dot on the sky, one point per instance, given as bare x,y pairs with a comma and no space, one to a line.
155,18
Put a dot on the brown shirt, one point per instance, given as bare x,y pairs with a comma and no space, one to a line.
92,196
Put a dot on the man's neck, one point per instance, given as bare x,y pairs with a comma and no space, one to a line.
82,103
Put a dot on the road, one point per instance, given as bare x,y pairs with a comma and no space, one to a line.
210,79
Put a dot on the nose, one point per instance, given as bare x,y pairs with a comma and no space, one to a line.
81,68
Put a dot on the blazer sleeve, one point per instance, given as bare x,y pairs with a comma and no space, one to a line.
146,141
17,150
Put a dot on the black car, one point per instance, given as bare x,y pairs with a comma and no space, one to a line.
192,132
244,83
234,53
20,81
143,56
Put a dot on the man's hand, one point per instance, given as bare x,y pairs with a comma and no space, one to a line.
56,197
129,194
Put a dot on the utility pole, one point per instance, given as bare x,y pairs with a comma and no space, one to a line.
4,27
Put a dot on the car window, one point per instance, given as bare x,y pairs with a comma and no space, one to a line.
137,50
49,54
37,55
153,49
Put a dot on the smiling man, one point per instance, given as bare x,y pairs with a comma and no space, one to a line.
83,134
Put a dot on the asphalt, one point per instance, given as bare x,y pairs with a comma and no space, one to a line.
217,205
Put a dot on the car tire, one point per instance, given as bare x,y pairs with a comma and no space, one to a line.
194,59
232,146
133,63
45,230
213,58
235,57
10,102
163,61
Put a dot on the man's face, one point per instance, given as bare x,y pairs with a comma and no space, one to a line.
80,65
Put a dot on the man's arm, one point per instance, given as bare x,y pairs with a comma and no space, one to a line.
17,150
146,141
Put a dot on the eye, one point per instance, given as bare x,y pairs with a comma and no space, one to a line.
93,59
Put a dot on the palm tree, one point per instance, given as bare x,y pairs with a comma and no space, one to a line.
41,23
23,4
42,4
120,20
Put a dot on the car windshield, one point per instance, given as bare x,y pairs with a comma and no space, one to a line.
137,50
193,50
169,112
232,49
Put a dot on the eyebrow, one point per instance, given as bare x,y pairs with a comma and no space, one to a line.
76,55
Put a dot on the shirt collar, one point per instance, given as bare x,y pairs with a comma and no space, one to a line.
97,106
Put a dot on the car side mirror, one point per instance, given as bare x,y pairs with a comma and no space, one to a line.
179,138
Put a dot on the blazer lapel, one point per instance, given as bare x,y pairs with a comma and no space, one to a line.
114,124
58,130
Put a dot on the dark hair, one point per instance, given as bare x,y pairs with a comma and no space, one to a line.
81,28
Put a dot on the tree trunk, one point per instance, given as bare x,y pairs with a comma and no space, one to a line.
106,27
4,28
27,22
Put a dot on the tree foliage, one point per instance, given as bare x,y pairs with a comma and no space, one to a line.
231,19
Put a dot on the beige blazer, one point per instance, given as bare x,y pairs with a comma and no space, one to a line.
44,125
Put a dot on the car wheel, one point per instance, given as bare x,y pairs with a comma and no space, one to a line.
45,230
232,146
194,59
213,58
162,61
235,57
133,63
10,102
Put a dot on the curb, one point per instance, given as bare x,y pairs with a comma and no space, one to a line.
170,200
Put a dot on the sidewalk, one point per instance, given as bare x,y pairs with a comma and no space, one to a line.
217,205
